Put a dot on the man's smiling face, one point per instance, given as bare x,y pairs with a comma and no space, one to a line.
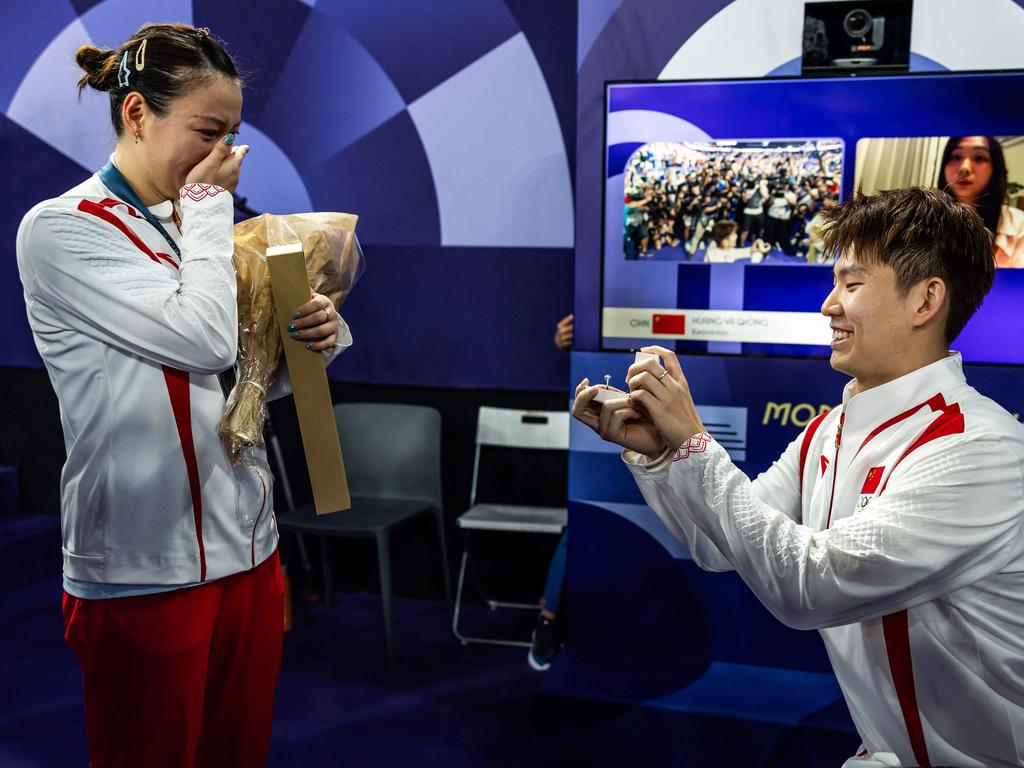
871,321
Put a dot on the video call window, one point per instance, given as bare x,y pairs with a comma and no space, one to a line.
755,201
984,171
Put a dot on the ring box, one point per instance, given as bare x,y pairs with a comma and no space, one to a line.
607,395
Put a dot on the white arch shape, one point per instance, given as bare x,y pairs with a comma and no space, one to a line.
647,126
492,138
83,131
46,103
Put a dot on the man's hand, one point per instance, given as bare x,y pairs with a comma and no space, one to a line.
617,421
663,395
563,333
316,324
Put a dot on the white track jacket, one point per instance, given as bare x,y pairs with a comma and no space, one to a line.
132,340
894,526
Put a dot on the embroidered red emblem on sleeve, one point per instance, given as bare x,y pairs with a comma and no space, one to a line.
696,444
199,192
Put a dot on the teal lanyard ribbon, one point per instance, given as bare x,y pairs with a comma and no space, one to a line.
118,184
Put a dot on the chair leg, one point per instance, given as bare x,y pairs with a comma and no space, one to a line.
328,576
384,563
442,540
466,639
458,590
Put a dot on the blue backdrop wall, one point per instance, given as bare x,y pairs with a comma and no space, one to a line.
447,126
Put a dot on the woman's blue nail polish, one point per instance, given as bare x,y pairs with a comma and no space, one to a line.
294,334
229,139
295,315
291,326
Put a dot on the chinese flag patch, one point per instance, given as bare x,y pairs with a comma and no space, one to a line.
669,324
873,479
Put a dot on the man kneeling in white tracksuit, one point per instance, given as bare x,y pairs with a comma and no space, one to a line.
893,524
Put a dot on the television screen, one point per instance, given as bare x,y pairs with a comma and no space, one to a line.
714,193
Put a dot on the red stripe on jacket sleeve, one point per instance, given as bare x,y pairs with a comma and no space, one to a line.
897,647
805,446
936,403
950,421
100,211
97,210
181,404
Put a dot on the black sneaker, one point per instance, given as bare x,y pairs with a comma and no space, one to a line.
545,644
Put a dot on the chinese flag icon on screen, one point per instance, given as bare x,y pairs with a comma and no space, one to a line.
669,324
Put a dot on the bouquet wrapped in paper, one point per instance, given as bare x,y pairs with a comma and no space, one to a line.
334,262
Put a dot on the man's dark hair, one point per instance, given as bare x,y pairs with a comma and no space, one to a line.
919,233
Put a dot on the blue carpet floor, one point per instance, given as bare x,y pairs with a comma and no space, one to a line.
338,703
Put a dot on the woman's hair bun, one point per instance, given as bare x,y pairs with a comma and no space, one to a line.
99,65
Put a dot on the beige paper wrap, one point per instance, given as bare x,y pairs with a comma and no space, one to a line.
333,263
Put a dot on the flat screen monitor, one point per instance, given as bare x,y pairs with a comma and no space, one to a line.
714,192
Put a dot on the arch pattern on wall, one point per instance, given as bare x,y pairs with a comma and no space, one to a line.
435,95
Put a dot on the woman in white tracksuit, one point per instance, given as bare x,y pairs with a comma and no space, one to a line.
173,594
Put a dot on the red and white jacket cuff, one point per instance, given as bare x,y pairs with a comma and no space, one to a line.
695,445
207,221
197,192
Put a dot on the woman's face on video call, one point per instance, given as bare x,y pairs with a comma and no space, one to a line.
969,168
185,135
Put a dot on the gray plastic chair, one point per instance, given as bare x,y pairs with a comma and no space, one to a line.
393,463
510,428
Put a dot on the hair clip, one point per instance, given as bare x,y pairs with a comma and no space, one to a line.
203,32
140,56
123,72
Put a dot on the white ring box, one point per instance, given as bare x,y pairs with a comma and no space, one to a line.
606,395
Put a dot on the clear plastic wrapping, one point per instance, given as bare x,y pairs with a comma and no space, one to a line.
334,262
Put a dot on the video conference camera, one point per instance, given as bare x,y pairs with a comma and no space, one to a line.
867,31
845,37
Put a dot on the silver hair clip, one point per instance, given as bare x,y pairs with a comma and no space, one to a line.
123,72
140,56
203,31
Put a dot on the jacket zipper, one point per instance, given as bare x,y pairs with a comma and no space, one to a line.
835,468
263,504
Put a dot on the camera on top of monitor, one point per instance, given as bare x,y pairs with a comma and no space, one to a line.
866,30
844,38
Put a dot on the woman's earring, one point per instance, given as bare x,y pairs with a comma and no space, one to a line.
137,139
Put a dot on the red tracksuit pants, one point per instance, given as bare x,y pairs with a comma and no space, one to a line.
181,679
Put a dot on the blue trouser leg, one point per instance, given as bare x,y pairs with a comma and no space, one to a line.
556,576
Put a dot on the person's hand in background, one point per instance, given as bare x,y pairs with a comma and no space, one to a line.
563,333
